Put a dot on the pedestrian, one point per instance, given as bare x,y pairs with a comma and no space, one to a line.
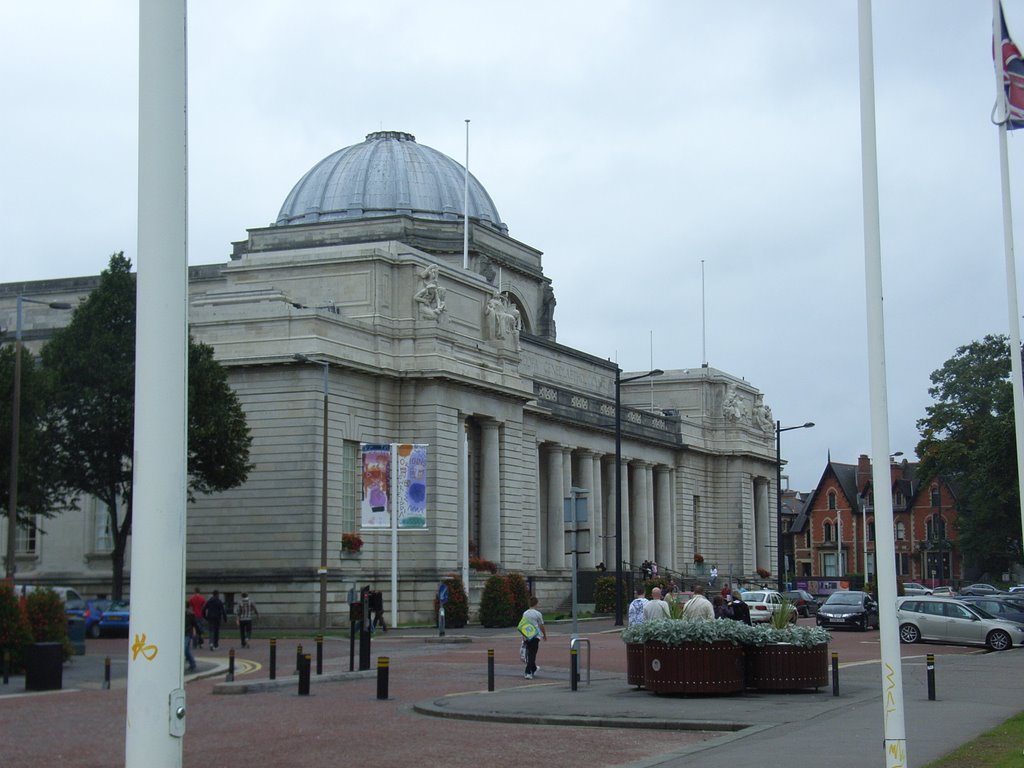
214,613
656,608
246,612
377,607
198,602
190,631
698,607
714,576
531,626
740,610
723,610
636,608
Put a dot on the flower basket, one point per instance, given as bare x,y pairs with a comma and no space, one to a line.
351,544
783,667
694,667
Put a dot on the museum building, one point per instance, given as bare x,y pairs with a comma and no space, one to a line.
367,293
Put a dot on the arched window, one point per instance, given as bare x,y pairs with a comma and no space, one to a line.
831,499
936,528
828,531
936,499
901,530
871,530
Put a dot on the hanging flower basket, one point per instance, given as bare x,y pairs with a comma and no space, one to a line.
698,559
351,544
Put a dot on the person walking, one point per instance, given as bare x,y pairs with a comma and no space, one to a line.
635,614
198,603
740,610
656,608
532,618
246,612
214,613
190,631
698,606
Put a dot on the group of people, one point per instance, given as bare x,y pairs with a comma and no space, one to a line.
726,605
204,616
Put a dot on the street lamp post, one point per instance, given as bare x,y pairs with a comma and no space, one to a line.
619,381
322,571
12,493
781,564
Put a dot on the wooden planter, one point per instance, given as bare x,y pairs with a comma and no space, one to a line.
786,667
635,664
693,668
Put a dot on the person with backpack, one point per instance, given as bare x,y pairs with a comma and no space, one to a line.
531,627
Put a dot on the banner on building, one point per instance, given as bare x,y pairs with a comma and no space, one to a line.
394,479
375,510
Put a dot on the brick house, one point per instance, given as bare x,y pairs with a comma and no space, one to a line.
834,535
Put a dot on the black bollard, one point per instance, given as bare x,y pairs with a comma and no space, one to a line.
930,665
835,673
298,659
383,664
273,658
7,667
231,667
352,647
364,646
106,674
304,664
319,654
490,669
574,668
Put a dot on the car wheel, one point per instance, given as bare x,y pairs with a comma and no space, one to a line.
94,631
863,623
998,640
909,633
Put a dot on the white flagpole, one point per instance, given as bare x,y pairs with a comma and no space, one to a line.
465,504
394,535
465,206
894,731
155,720
1002,114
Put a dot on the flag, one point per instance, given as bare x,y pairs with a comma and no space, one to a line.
1013,76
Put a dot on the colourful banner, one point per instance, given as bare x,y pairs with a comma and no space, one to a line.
375,510
411,496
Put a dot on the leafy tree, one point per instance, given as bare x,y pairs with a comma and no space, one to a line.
967,438
40,490
92,363
496,609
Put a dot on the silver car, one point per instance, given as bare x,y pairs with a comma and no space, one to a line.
946,620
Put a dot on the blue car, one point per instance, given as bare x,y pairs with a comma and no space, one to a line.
114,620
89,610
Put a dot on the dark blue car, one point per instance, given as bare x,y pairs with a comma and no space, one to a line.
114,620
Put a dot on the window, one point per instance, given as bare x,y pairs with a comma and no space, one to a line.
26,541
828,564
871,530
102,537
351,474
807,538
831,499
899,500
935,528
902,563
901,531
828,532
936,498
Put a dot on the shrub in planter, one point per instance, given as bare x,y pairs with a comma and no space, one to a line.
456,610
47,620
15,632
496,604
604,594
520,594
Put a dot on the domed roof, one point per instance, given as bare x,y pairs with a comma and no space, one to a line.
388,173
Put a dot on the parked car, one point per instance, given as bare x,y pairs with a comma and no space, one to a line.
998,607
947,620
804,602
763,603
90,610
115,618
913,588
1018,588
981,589
65,593
856,610
944,591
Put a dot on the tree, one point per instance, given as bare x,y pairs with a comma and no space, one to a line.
92,364
967,438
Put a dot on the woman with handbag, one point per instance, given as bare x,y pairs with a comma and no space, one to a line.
531,626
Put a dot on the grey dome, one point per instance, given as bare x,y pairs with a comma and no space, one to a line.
388,173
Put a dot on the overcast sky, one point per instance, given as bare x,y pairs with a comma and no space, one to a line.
628,141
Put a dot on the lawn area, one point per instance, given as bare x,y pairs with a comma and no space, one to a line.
1002,747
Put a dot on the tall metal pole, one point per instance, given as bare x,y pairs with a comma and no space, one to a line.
780,555
12,492
323,518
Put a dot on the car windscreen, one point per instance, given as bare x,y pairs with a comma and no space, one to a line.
844,598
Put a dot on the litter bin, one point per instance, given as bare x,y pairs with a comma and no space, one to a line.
76,634
44,667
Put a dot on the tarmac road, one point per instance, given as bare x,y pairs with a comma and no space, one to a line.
434,685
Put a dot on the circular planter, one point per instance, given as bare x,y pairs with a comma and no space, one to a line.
635,664
693,668
786,667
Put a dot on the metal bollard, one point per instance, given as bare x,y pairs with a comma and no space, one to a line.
319,654
352,647
7,667
440,621
490,669
106,674
298,659
231,667
383,664
930,665
574,668
304,664
835,673
273,658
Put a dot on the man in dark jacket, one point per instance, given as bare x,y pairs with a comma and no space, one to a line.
214,613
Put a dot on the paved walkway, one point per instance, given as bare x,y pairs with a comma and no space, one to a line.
439,704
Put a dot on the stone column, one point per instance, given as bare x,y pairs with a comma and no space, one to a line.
649,511
624,534
663,517
638,509
762,526
554,547
586,560
490,491
597,522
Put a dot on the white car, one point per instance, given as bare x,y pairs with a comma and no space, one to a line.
946,620
763,603
911,588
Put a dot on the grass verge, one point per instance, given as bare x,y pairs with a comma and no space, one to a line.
1002,747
